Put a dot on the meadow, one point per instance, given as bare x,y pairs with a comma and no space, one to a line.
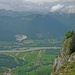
37,62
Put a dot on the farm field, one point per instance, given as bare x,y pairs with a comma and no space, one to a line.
26,44
37,62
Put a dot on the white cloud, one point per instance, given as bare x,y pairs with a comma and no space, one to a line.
67,6
35,1
68,0
69,9
56,8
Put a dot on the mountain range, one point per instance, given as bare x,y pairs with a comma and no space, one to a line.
34,25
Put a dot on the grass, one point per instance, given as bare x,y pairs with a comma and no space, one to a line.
34,58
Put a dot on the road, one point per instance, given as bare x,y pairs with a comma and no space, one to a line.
30,49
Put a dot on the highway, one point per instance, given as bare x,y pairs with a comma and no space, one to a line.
29,49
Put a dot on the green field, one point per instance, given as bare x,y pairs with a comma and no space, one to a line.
37,62
25,44
33,62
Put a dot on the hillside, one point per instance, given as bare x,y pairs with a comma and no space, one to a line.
34,25
64,64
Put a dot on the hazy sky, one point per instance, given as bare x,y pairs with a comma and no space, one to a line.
66,6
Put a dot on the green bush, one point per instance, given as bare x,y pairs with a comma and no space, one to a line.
69,34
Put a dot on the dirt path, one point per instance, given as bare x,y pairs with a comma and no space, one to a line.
25,56
39,54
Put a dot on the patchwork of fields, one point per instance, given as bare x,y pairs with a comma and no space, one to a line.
37,62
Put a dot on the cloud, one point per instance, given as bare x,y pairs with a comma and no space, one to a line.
69,0
35,1
69,9
56,8
65,6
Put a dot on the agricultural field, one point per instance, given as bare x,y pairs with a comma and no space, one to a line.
25,44
32,57
37,62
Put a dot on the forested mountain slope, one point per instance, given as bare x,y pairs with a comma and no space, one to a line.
34,26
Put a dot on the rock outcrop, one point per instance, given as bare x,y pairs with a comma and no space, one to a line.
64,64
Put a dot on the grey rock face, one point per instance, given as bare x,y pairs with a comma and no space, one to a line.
67,53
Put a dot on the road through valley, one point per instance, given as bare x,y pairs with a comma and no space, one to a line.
29,49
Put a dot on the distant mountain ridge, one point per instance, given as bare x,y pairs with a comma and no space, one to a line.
34,25
4,12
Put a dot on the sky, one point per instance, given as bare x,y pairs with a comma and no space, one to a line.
65,6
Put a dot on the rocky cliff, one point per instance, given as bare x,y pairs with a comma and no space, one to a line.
64,64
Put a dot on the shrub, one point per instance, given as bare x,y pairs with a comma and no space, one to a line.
69,34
